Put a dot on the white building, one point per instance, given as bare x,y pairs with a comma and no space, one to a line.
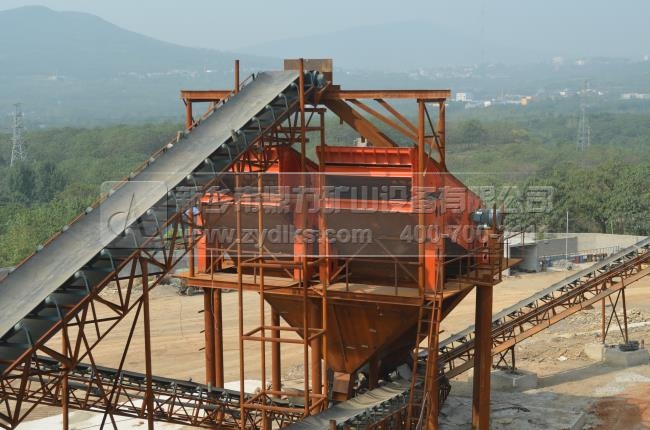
463,97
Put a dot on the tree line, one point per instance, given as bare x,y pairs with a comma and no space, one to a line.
605,188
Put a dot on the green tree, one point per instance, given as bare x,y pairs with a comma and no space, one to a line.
471,133
21,183
49,181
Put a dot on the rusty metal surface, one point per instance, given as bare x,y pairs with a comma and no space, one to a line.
44,272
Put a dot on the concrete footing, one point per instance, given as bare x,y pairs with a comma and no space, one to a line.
615,357
595,351
509,381
519,380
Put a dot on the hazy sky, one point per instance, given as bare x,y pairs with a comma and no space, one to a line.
231,24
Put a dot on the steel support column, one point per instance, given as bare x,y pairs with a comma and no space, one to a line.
208,318
217,309
442,133
190,232
188,114
316,354
64,383
626,334
236,89
147,343
373,373
276,363
603,333
482,359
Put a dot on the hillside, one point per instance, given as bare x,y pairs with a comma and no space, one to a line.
35,40
70,68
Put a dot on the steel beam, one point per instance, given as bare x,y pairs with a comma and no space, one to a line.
198,96
334,93
359,123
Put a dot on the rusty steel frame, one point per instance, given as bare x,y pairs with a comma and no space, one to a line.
342,103
613,315
590,286
47,376
262,408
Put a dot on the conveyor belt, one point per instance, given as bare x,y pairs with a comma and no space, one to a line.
549,306
176,401
58,262
52,284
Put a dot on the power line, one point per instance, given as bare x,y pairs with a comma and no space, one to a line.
584,130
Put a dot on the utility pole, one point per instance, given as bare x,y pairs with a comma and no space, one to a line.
566,238
18,151
584,130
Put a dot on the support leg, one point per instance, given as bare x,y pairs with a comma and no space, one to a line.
603,330
276,364
217,308
316,354
147,343
208,318
625,332
482,359
64,383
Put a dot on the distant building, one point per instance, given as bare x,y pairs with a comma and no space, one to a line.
532,253
463,97
360,142
559,249
635,96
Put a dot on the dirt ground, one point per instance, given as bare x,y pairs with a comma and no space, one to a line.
613,398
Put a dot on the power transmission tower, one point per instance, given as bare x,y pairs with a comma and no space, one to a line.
18,150
584,130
